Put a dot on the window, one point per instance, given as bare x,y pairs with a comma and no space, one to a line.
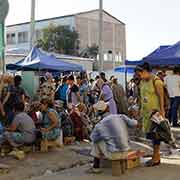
11,38
23,37
118,57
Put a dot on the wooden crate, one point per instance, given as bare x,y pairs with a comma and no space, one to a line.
121,161
69,140
133,159
133,163
119,167
45,144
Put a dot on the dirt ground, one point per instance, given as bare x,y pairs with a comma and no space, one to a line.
37,164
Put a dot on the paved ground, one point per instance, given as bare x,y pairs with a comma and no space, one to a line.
164,172
37,164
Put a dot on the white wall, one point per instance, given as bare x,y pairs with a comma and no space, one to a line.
67,21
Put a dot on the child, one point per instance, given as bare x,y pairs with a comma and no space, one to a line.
137,132
87,127
75,117
131,101
33,112
66,123
27,100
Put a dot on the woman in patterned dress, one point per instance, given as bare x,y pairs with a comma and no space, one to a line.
50,125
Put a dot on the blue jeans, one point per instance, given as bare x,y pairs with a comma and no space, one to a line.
175,103
156,142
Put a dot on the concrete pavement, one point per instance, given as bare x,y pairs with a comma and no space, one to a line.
164,172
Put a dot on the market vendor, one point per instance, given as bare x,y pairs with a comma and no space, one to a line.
50,125
110,134
22,129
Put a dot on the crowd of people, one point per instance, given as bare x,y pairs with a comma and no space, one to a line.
97,109
61,104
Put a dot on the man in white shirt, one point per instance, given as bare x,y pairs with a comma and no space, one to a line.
172,83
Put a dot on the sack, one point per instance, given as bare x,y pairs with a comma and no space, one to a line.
151,136
161,132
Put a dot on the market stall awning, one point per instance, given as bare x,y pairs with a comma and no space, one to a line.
165,56
124,69
37,60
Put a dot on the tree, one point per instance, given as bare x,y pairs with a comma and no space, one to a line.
59,39
90,52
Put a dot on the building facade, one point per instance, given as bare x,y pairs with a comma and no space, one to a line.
86,24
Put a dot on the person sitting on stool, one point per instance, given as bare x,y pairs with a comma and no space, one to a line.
110,134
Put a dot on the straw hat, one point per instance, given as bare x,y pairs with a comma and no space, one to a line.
100,106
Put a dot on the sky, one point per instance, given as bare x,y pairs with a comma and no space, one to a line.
149,23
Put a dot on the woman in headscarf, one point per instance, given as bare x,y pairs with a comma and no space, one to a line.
106,95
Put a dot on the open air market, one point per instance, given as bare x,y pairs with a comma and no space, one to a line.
72,105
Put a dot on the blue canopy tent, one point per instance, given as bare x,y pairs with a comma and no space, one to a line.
148,58
37,60
158,51
127,71
124,69
165,56
168,55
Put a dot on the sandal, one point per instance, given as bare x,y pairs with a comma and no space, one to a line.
150,163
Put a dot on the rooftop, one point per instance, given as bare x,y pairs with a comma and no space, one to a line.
66,16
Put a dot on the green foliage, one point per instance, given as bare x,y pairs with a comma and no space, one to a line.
59,39
90,52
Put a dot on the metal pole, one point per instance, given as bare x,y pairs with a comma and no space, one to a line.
101,54
32,25
114,47
2,46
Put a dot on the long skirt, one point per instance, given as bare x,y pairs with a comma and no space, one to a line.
112,106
